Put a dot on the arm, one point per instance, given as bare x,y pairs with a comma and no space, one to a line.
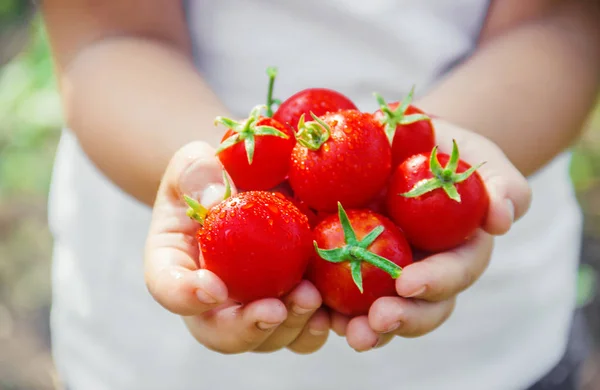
532,81
134,99
129,89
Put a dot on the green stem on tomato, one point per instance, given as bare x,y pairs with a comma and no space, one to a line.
313,134
356,251
393,118
443,177
272,73
246,131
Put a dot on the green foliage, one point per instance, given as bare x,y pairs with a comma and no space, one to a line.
30,118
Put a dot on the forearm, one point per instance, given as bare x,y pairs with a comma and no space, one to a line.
531,89
132,103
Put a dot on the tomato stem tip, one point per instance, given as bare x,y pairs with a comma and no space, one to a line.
356,252
246,131
312,134
443,177
195,211
272,73
393,118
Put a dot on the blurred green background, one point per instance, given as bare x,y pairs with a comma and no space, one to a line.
30,121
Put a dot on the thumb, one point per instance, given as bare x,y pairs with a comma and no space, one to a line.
171,258
196,172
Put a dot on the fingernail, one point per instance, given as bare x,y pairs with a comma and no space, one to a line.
393,327
416,293
204,297
511,209
317,332
300,310
209,291
379,340
267,326
213,194
198,182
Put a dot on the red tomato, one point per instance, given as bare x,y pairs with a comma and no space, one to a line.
437,208
256,152
357,264
343,156
319,101
257,242
409,129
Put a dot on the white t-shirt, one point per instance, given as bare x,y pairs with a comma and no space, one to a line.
507,330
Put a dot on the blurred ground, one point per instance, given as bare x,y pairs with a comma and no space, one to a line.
29,125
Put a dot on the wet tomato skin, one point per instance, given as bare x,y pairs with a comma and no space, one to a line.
351,167
258,243
410,139
319,101
270,163
433,222
334,280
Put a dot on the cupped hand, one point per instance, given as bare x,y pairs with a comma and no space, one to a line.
427,289
173,277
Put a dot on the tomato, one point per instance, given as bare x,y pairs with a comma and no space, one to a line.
409,129
343,156
437,208
256,152
359,255
319,101
257,242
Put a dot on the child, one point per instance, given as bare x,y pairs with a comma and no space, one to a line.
142,79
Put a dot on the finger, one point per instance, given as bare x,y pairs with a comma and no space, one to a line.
234,328
443,275
171,252
301,304
408,317
508,189
359,334
339,323
314,335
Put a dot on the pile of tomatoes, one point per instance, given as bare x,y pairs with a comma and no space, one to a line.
338,196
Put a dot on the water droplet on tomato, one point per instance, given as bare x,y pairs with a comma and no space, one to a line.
248,205
325,148
273,208
270,222
347,129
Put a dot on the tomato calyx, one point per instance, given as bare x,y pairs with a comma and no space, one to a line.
246,131
393,118
312,134
272,73
444,177
356,252
196,211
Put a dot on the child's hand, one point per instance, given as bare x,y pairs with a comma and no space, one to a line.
427,289
174,280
